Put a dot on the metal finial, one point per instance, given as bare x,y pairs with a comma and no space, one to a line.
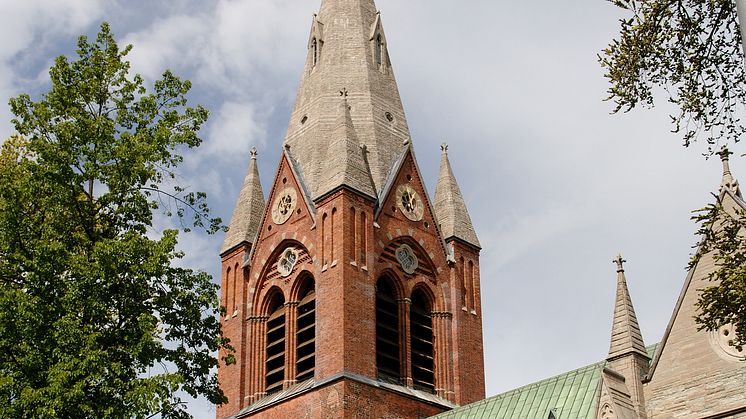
619,263
343,92
253,153
444,148
724,157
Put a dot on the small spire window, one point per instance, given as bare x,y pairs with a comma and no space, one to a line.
379,50
314,52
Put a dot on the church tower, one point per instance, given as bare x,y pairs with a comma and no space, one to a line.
350,292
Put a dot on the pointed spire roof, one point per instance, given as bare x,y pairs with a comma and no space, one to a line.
347,48
626,337
249,210
450,208
729,182
345,163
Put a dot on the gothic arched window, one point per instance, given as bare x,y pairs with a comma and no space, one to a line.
387,332
305,334
421,341
275,364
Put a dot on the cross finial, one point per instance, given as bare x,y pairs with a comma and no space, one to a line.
619,263
444,148
253,153
343,92
724,157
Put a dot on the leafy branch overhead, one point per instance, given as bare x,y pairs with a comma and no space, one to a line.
690,52
723,302
95,318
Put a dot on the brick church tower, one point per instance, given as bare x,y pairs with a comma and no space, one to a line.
349,293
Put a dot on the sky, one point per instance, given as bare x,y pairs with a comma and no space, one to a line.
556,185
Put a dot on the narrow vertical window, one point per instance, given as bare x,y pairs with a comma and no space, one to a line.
421,341
331,235
379,50
314,52
363,238
463,282
235,289
275,365
323,240
305,335
472,289
353,245
387,332
226,292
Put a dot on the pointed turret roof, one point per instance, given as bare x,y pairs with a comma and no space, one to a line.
626,337
450,208
729,182
347,48
247,215
345,163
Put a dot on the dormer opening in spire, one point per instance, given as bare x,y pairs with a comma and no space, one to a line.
314,52
379,50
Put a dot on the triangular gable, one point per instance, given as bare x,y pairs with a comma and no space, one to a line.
724,197
286,170
387,196
317,31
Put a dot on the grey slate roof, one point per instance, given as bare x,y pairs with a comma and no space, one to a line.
249,210
347,60
625,332
450,208
345,163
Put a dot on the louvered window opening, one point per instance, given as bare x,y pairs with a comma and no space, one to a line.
421,334
387,334
275,350
305,337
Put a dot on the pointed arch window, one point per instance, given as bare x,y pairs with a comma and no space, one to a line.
421,341
387,332
275,351
305,334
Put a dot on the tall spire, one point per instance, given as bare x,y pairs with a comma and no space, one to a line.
450,208
346,48
729,182
247,216
345,163
626,337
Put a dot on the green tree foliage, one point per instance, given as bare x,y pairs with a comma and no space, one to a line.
722,232
96,319
689,51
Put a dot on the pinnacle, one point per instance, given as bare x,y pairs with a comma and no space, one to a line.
729,182
247,215
450,208
626,337
345,162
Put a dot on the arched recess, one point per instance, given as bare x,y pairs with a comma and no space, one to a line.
425,265
270,274
388,342
274,308
422,339
305,328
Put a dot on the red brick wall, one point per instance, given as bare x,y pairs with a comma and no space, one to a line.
345,268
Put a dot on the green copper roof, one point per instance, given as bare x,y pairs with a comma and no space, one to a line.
572,395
